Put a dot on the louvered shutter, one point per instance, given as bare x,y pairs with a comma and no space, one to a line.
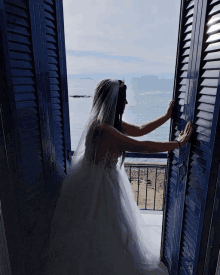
186,45
35,118
197,183
53,32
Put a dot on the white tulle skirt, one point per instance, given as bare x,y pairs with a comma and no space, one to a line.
113,243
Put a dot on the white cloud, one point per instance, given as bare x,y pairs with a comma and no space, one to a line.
143,29
88,64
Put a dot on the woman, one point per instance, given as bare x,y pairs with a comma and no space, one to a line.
97,227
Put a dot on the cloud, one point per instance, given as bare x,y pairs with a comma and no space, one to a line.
88,64
142,30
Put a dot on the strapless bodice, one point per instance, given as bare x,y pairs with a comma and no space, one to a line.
111,160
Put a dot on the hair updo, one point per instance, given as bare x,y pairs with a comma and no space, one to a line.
101,93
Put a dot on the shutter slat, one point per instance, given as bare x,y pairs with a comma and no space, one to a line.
215,9
190,4
189,29
186,52
207,99
184,75
23,81
211,74
198,175
189,21
189,233
206,107
16,72
51,38
193,218
213,37
210,82
49,2
214,28
52,60
204,123
205,115
213,47
212,65
50,31
203,131
194,183
190,12
16,20
197,196
195,209
19,3
214,1
187,45
48,8
208,91
190,242
25,96
18,47
49,23
11,28
21,64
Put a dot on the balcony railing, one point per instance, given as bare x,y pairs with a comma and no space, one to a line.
147,180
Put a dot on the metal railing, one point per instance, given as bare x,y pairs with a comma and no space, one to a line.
148,181
141,171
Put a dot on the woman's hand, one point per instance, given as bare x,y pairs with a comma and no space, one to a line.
170,109
185,135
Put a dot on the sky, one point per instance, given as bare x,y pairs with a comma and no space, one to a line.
134,39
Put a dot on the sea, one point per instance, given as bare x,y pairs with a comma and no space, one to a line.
143,106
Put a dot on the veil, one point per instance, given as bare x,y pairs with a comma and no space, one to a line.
85,241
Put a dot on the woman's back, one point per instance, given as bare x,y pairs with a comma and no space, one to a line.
101,145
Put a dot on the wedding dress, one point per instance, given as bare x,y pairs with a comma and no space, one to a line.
97,227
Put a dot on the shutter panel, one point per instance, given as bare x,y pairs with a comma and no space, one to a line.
196,186
27,102
187,32
36,120
53,29
204,153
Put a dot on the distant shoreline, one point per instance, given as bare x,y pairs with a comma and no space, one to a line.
80,95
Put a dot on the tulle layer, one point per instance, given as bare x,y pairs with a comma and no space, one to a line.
112,243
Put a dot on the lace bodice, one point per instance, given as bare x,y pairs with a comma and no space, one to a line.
111,160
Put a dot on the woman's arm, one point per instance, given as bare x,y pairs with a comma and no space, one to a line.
144,129
120,141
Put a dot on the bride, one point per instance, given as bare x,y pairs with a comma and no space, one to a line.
97,227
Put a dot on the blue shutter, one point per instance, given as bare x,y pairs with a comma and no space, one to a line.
204,152
55,56
196,186
35,118
184,62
